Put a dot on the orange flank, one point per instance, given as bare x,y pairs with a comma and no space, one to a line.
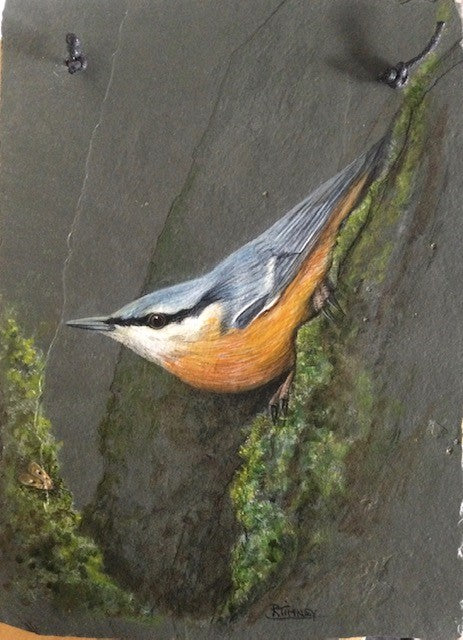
8,632
247,358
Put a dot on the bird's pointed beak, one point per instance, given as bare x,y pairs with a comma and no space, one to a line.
101,323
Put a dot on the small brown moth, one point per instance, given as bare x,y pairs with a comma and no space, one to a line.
36,477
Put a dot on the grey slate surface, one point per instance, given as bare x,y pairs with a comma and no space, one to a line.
245,98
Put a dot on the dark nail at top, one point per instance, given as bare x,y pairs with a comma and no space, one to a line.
76,61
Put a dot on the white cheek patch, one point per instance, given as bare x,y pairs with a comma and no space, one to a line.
159,345
139,339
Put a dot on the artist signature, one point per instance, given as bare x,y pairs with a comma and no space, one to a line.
288,612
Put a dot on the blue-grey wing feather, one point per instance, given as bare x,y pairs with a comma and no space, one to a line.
253,277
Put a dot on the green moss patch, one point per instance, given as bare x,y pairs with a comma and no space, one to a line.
444,10
40,530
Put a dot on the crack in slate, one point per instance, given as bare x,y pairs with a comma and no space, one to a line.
344,136
245,42
78,211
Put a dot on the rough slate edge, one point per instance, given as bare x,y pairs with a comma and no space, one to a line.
459,6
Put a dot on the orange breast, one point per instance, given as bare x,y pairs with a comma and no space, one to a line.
247,358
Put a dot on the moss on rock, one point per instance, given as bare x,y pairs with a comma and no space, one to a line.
40,530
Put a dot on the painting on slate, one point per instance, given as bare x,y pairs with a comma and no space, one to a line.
231,342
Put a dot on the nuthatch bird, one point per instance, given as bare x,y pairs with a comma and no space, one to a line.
234,328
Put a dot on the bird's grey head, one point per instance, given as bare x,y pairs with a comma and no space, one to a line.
162,324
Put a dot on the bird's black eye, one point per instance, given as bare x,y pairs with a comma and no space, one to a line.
156,320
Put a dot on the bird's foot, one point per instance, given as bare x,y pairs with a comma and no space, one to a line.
279,403
325,301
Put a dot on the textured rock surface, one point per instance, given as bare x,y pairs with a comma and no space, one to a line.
151,167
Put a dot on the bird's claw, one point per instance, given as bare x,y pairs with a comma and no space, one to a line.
284,406
279,404
329,315
279,410
274,412
333,303
324,301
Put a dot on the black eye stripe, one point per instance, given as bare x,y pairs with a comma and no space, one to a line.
149,320
144,321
